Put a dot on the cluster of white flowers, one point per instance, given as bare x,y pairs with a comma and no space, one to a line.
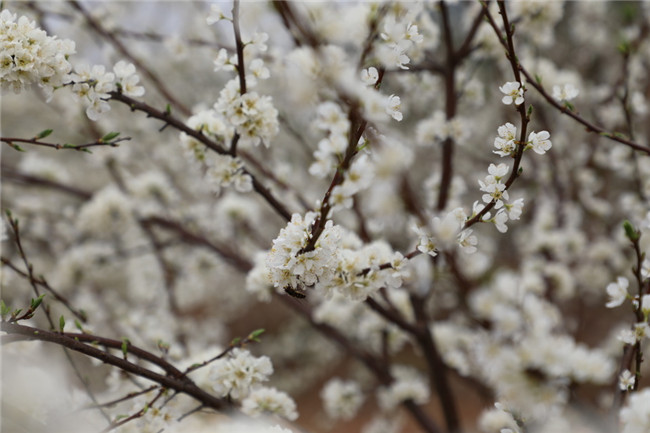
408,384
437,128
618,294
635,416
339,262
290,267
446,232
221,171
398,37
28,55
506,142
269,401
238,373
253,116
495,191
93,85
342,399
331,119
224,170
525,359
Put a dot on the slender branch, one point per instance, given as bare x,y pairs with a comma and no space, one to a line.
11,141
228,254
76,341
8,173
378,368
170,120
533,82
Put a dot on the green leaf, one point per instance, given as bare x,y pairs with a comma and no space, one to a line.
254,336
77,325
235,341
36,302
61,323
125,346
538,79
44,133
4,310
109,136
631,233
168,109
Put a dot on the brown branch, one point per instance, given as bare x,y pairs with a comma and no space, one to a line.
170,120
378,368
77,342
79,147
232,257
9,174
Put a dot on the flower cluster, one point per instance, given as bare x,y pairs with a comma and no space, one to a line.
237,374
331,119
342,399
269,401
398,38
254,117
339,262
437,128
93,85
408,384
445,233
29,56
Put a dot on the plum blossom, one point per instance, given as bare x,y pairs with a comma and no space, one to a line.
566,92
617,292
370,76
506,141
514,93
127,79
539,142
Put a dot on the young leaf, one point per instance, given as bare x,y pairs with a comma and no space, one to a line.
36,302
109,136
254,336
631,232
4,310
125,346
61,323
44,133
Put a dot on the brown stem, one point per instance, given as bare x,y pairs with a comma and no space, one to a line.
74,341
166,117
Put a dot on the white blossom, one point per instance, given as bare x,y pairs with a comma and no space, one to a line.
342,399
513,92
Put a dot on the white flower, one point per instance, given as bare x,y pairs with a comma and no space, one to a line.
127,79
370,76
505,142
394,105
514,93
645,305
269,401
635,417
626,380
342,399
539,142
215,14
565,92
236,374
500,220
617,292
408,384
